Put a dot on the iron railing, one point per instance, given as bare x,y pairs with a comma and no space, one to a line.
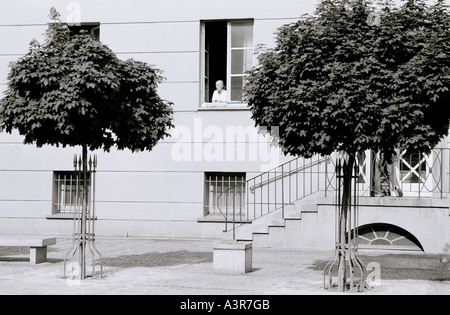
423,175
82,207
418,176
273,190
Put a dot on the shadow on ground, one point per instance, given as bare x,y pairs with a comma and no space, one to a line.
156,259
403,267
13,250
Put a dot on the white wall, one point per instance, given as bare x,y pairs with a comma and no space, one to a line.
149,193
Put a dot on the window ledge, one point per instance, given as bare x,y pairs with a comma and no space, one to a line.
219,218
221,107
62,216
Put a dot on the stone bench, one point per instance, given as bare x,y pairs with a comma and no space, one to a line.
37,245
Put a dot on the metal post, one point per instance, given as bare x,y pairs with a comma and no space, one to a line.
254,198
290,187
234,213
419,177
83,181
441,164
268,191
276,192
296,179
282,191
83,215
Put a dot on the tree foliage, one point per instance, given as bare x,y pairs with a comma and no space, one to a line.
335,82
73,90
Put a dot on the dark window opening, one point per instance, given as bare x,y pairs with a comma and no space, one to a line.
227,56
215,56
90,28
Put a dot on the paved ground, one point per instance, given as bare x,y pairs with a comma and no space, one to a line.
135,266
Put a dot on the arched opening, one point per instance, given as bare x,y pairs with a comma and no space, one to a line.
387,237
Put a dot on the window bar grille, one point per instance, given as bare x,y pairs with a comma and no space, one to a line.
58,194
70,193
226,197
247,203
62,185
217,192
240,197
211,188
209,184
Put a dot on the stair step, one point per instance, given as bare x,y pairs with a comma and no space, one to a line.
244,238
277,222
293,215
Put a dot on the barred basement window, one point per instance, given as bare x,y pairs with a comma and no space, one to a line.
67,192
223,191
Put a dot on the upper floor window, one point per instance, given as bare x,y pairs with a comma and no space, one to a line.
90,28
227,48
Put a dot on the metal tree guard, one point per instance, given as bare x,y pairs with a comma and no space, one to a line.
84,218
346,252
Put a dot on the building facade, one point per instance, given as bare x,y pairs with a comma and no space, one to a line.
181,188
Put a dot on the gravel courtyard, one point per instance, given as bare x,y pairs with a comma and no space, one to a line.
140,266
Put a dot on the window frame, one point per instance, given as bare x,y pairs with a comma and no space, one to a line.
225,186
62,178
229,75
92,27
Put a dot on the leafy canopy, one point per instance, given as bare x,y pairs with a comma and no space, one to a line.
336,81
73,90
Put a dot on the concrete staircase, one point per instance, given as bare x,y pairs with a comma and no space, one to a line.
309,223
295,230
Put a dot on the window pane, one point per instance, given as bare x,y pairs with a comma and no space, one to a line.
237,83
241,34
241,61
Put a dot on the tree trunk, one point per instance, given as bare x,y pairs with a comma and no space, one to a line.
343,240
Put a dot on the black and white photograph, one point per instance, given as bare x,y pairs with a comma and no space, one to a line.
224,155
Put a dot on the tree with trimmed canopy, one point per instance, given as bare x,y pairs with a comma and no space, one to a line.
350,78
72,90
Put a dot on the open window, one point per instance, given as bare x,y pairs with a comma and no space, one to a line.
227,54
91,28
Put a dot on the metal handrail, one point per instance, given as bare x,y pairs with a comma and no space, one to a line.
260,202
279,175
252,189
